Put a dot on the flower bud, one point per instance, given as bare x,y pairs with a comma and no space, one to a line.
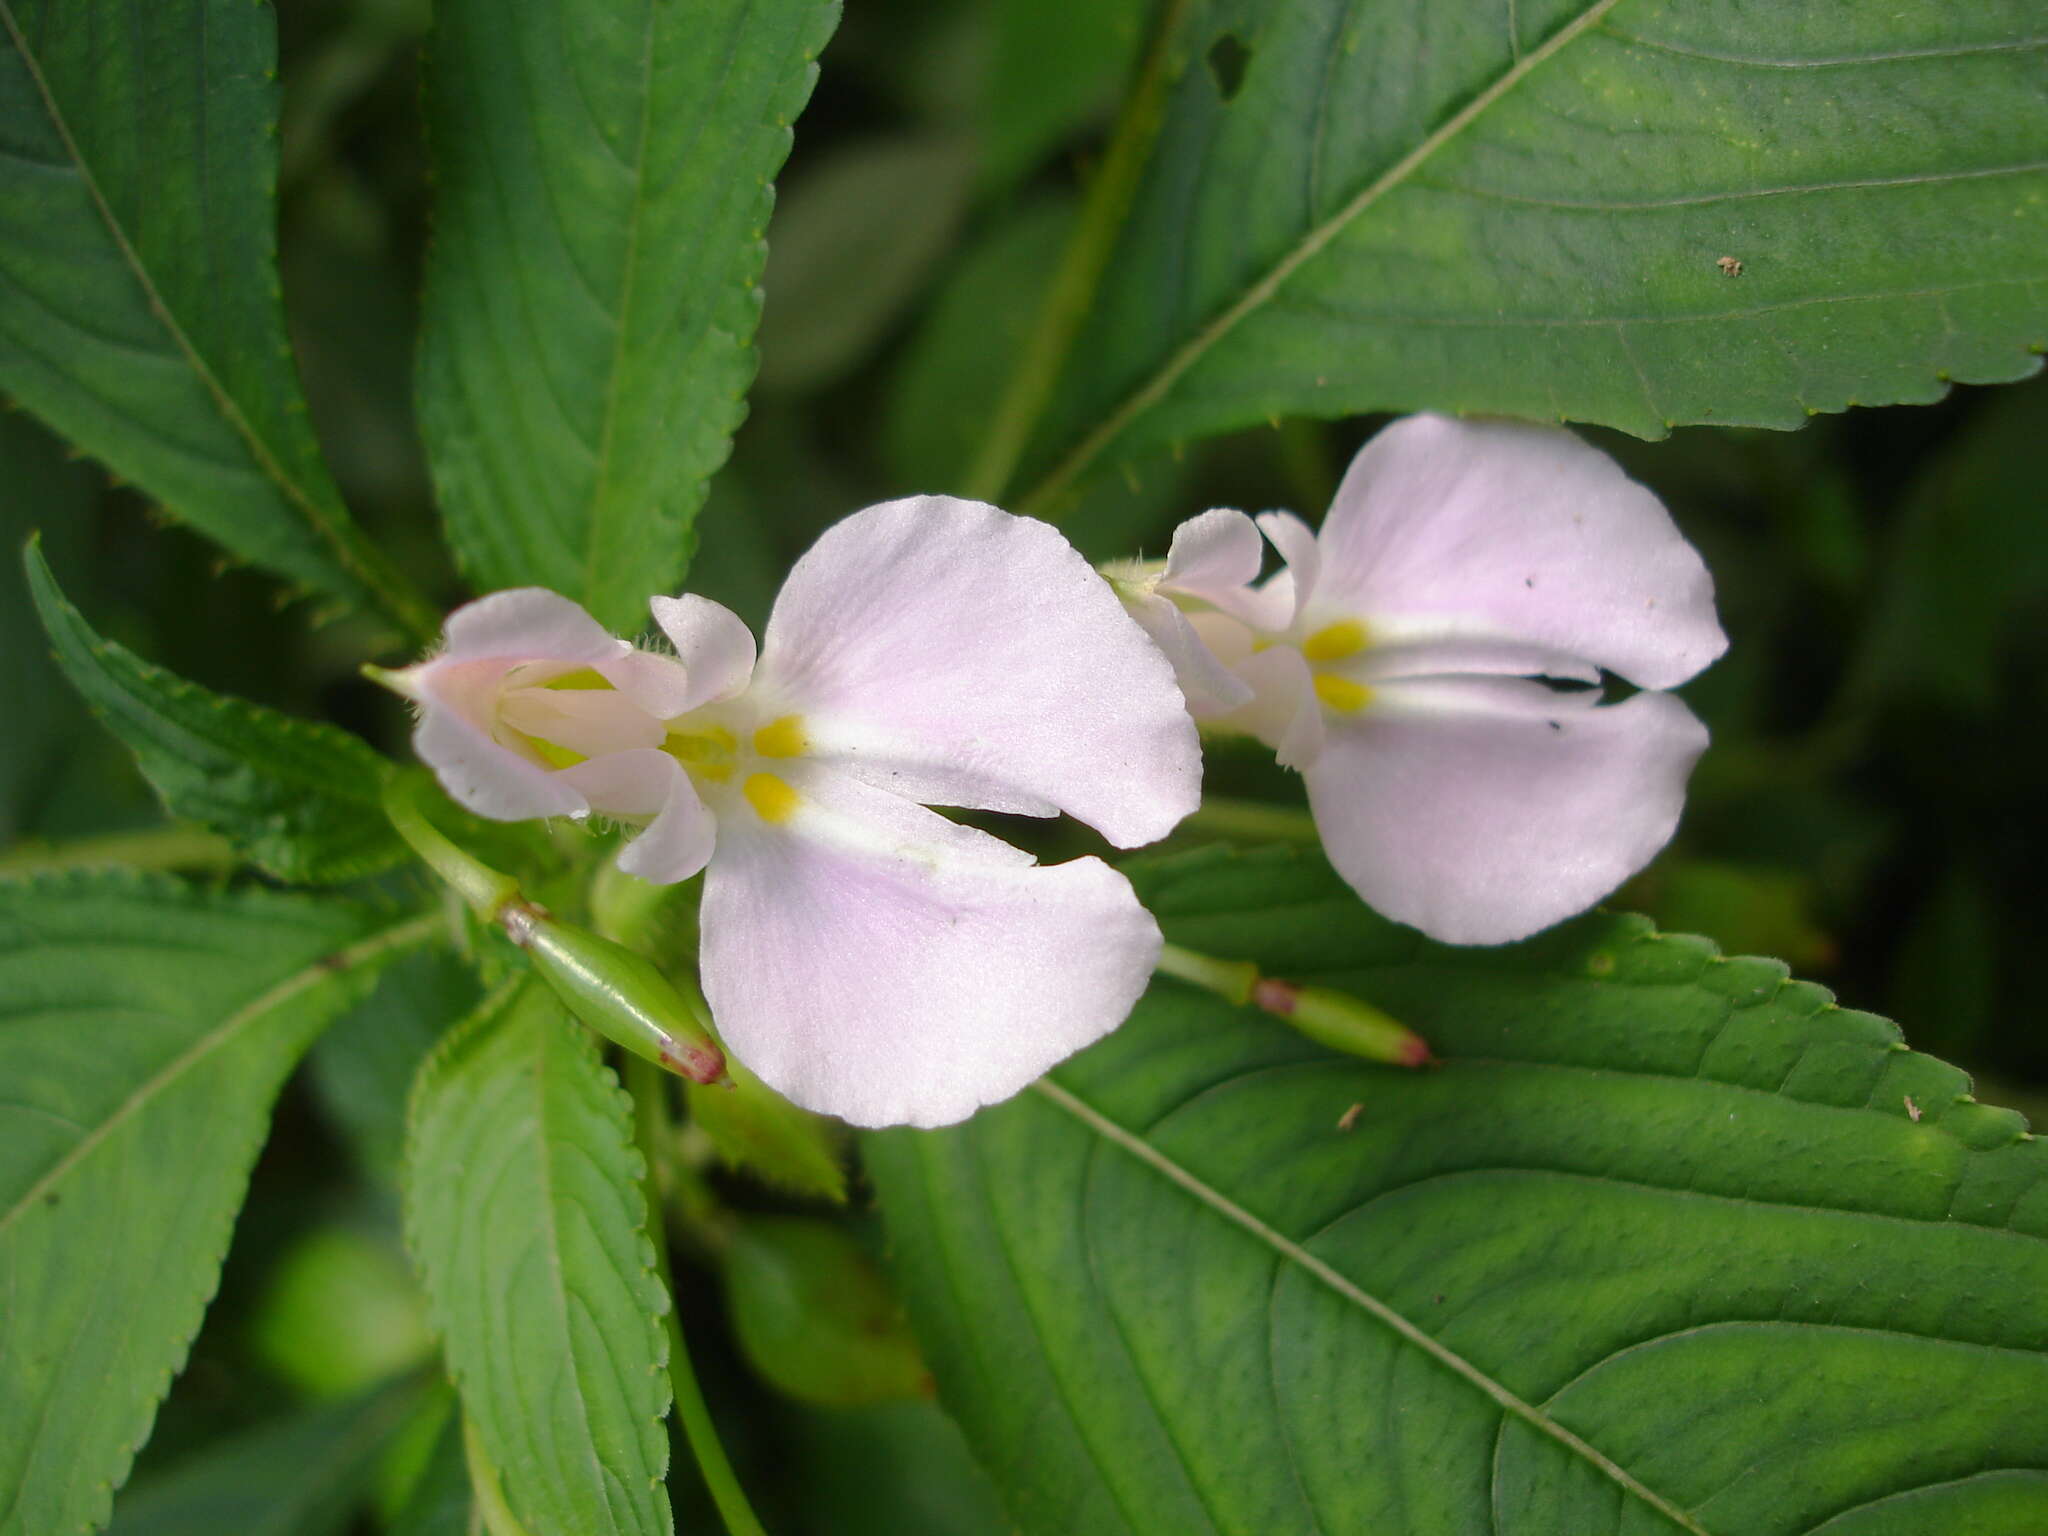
616,992
815,1316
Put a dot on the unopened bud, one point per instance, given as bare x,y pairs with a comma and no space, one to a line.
1342,1022
619,994
815,1316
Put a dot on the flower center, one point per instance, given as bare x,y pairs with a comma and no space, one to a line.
1336,643
713,752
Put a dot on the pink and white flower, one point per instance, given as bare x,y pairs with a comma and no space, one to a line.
863,954
1407,660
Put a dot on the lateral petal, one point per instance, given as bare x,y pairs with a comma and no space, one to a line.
957,655
1481,810
872,960
1511,531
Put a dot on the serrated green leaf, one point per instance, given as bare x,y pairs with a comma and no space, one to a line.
525,1214
307,1475
297,797
139,310
603,191
147,1028
1661,1247
1526,209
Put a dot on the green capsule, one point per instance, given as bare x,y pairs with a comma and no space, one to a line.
815,1316
1343,1023
616,992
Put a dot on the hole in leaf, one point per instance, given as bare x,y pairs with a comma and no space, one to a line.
1228,60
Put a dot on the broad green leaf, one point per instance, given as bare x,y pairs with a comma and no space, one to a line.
1052,67
1668,1244
1526,208
297,797
147,1028
525,1215
307,1475
603,191
139,309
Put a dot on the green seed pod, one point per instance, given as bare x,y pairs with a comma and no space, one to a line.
616,992
755,1128
815,1316
1343,1023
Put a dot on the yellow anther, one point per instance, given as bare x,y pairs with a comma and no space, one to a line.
1333,642
1342,694
707,751
772,800
781,738
581,678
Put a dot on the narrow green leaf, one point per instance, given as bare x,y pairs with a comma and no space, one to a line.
307,1475
146,1030
603,176
297,797
139,310
525,1215
1635,212
1668,1244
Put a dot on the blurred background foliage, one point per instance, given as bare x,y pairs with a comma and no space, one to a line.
1870,809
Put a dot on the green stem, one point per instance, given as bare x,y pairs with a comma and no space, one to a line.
1253,821
488,891
649,1088
1067,301
177,846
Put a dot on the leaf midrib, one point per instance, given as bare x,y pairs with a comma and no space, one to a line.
333,536
413,930
1293,1252
1190,352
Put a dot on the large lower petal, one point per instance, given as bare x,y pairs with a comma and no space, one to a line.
872,960
1483,810
958,655
1506,530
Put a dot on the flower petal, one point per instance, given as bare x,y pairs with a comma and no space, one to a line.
714,645
1513,531
872,960
1208,685
955,654
589,721
1284,712
647,782
479,774
661,685
1216,558
1481,810
1292,590
528,624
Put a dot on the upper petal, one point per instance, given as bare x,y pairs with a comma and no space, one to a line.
872,960
1205,682
1514,531
528,624
953,653
712,642
1293,589
1216,557
1483,810
458,702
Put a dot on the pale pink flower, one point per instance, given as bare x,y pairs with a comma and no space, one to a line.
863,954
1404,662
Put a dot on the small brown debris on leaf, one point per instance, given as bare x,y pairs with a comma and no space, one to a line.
1730,267
1912,1109
1350,1116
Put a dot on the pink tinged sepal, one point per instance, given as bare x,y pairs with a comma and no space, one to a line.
1482,810
1511,532
872,960
955,654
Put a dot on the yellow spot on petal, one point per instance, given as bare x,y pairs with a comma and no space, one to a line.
772,800
1342,694
781,738
581,678
1333,642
